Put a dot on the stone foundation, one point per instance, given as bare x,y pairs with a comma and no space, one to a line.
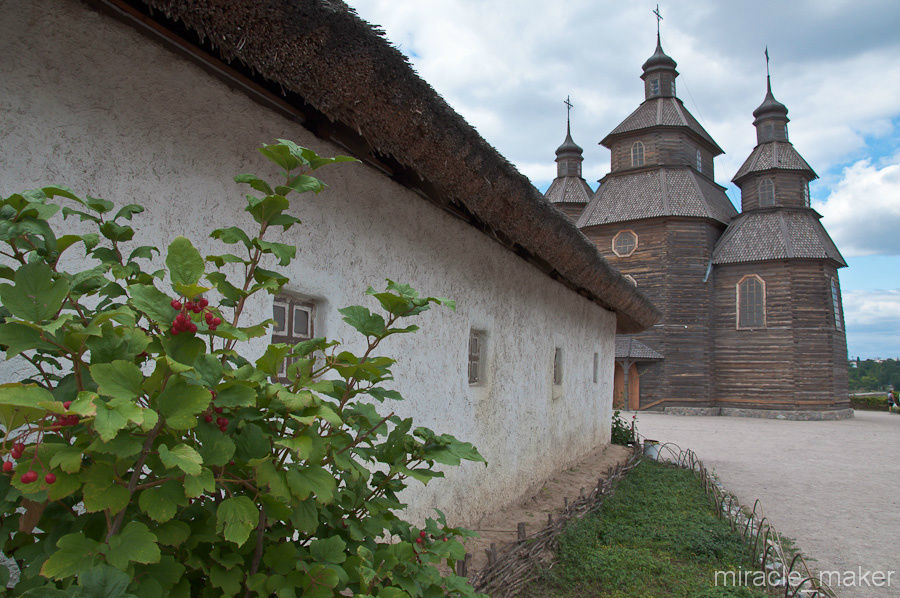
787,414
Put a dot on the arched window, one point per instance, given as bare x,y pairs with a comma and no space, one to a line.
699,161
806,194
630,279
751,302
624,243
654,86
766,192
637,154
836,304
673,86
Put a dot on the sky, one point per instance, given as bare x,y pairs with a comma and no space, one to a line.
507,66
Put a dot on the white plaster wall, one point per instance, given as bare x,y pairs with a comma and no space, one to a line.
88,102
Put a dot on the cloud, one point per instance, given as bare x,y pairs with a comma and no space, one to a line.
862,212
873,322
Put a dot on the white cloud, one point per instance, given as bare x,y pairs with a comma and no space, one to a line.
862,212
873,323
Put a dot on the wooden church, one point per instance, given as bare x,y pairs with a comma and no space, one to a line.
752,320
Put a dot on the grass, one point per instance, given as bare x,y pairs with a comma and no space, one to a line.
657,536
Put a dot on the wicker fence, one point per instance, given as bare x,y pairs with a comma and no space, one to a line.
511,568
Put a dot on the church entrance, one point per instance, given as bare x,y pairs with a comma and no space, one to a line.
632,400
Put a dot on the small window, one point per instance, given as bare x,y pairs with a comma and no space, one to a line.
624,243
630,279
766,193
557,366
654,86
836,304
699,161
806,194
637,154
476,356
785,131
294,322
751,302
596,367
672,84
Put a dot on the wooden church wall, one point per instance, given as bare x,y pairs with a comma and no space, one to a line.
668,147
788,190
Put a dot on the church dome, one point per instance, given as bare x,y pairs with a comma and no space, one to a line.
659,61
569,146
770,106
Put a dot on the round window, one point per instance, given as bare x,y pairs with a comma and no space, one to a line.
624,243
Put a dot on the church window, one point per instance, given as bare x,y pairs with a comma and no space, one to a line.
637,154
624,243
699,161
596,367
294,322
672,86
476,356
751,302
557,366
766,192
654,86
806,194
836,304
630,279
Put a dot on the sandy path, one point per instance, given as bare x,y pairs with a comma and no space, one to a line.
833,486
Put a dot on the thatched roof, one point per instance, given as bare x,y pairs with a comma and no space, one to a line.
354,88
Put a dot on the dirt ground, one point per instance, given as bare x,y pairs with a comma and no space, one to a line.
549,499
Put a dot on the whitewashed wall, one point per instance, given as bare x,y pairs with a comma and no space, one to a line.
88,102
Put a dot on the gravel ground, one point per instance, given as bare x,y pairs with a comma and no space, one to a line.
832,486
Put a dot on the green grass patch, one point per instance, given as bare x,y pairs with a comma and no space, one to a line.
656,536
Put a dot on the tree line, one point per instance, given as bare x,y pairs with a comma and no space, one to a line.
874,375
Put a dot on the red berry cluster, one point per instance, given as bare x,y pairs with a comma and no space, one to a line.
65,421
30,475
183,323
208,416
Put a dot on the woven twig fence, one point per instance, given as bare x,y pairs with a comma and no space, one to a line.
511,568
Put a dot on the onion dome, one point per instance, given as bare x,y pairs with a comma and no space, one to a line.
568,146
770,107
659,61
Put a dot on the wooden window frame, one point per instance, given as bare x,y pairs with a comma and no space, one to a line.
837,308
633,248
737,301
672,87
699,161
770,201
655,87
477,356
637,154
292,303
630,279
557,366
805,194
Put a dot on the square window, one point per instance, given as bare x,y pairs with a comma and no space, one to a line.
302,321
279,314
294,322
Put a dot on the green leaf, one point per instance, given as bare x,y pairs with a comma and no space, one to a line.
76,553
116,232
307,480
122,446
114,415
180,403
363,320
152,302
280,154
196,485
255,182
101,490
231,235
134,544
128,211
181,456
328,550
20,403
119,379
184,262
237,516
271,205
35,296
235,394
101,206
285,253
103,581
172,533
160,503
215,448
67,459
229,580
303,183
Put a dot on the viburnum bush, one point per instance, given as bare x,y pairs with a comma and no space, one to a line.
145,456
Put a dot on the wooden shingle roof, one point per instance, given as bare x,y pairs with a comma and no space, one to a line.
666,112
773,234
654,193
771,155
347,83
627,347
569,189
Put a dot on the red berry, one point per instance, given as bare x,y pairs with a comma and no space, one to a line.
214,394
67,404
189,305
445,539
418,540
212,327
49,478
224,428
208,417
422,533
208,317
7,466
217,320
192,328
29,476
222,421
218,410
18,447
202,302
176,304
174,330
